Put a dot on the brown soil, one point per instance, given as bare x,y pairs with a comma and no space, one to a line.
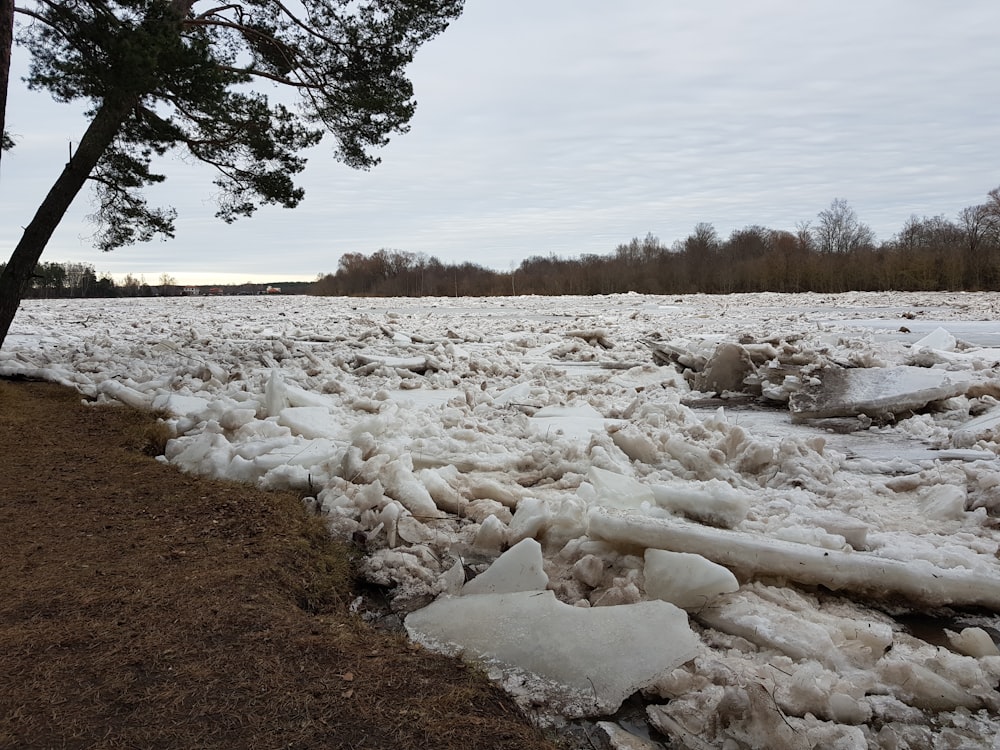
144,608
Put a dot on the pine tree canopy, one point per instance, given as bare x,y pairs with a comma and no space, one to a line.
191,75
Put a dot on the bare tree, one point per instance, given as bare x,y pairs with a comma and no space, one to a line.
979,229
167,284
838,229
993,215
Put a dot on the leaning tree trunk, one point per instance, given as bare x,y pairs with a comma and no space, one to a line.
6,42
16,277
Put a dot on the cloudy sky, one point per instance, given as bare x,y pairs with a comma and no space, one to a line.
571,126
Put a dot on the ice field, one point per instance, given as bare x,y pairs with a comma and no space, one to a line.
777,517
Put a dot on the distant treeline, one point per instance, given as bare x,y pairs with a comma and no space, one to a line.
57,280
67,280
836,253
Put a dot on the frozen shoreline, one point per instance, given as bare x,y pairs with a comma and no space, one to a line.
444,431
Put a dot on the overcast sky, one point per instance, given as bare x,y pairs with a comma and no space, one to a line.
571,126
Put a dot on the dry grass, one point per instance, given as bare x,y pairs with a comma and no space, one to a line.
143,608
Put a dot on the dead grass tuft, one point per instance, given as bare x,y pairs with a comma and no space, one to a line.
155,437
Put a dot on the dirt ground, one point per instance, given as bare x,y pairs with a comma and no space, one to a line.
143,608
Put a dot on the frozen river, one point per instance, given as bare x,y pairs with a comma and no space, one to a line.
732,505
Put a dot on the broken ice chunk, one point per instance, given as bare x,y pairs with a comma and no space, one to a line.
620,739
874,391
453,579
172,403
713,502
491,535
727,368
973,642
943,502
684,579
634,444
598,656
734,716
589,569
981,428
418,364
233,419
921,686
616,490
517,569
939,338
132,397
310,421
401,484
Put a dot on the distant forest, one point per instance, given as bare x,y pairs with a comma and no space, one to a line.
834,253
69,280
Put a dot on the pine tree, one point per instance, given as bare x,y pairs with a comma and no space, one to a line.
165,75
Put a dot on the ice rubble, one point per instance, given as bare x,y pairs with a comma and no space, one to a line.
438,437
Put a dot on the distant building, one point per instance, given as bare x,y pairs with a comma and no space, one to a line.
190,291
273,290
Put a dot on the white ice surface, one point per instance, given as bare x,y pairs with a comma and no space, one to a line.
446,430
685,579
874,391
598,656
518,569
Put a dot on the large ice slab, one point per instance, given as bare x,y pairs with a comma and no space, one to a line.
577,422
311,422
418,364
874,391
172,403
917,581
598,656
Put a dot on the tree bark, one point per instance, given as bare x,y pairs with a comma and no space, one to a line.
6,42
99,135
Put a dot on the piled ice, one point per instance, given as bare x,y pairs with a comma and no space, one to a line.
730,504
